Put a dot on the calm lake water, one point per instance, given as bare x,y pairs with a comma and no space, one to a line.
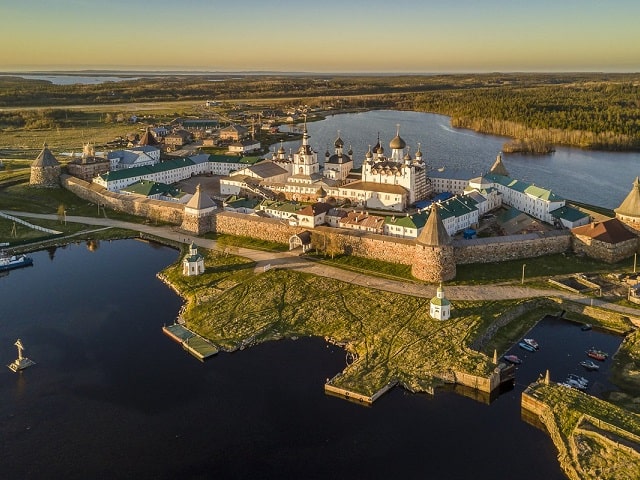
74,79
598,178
112,397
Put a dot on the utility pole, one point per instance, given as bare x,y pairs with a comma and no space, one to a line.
523,267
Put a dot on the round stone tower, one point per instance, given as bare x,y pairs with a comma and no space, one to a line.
45,170
434,258
629,210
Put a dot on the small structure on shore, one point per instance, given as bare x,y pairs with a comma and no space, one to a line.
21,362
193,263
440,307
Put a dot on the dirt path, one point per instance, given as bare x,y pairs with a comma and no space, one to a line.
293,261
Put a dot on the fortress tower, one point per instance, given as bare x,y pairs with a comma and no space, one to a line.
45,170
198,214
629,210
498,167
434,256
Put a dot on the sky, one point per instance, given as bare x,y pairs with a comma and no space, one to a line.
347,36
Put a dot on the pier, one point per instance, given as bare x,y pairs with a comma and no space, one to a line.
193,343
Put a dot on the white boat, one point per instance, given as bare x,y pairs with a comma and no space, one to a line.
531,342
578,378
14,261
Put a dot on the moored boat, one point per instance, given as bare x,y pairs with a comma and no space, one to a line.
512,359
526,346
585,327
14,261
531,342
597,354
589,365
578,378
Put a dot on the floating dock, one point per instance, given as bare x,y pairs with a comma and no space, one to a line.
199,347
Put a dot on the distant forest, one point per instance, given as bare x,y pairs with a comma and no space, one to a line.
598,111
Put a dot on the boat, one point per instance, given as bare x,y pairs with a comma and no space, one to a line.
575,384
531,342
526,346
589,365
578,378
14,261
585,327
512,359
597,354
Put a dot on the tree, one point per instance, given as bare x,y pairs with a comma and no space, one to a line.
62,214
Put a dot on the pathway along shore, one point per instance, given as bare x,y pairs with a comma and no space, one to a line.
294,261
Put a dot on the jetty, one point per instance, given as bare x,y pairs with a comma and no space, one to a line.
193,343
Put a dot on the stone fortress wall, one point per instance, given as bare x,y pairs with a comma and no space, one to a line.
132,204
362,244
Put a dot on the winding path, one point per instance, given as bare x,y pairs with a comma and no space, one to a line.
293,261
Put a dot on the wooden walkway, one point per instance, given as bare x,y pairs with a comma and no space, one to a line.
193,343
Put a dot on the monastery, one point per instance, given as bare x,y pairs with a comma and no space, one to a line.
394,215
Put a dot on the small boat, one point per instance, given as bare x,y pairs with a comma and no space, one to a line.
575,384
512,359
585,327
589,365
531,342
14,261
526,346
597,354
578,378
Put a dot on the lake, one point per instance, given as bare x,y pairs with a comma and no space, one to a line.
594,177
112,397
74,79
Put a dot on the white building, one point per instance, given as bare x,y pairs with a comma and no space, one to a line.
141,156
193,263
440,307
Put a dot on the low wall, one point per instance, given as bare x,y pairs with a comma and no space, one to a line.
134,205
603,251
261,228
513,247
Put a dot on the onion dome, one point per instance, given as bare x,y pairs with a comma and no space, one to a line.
397,143
369,154
321,193
281,150
350,152
338,143
407,157
327,154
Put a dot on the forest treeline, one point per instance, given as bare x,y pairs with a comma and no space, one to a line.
597,115
599,111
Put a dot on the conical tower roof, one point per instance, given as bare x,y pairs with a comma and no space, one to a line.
498,167
434,234
200,200
631,205
45,159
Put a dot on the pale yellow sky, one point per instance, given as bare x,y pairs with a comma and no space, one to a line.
373,36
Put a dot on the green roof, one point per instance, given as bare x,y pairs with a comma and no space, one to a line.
440,301
416,221
148,188
569,214
242,203
146,170
524,187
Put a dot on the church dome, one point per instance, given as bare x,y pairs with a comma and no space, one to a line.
407,157
327,154
338,143
281,150
397,143
369,154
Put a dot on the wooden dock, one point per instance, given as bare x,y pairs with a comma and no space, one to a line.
355,396
199,347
